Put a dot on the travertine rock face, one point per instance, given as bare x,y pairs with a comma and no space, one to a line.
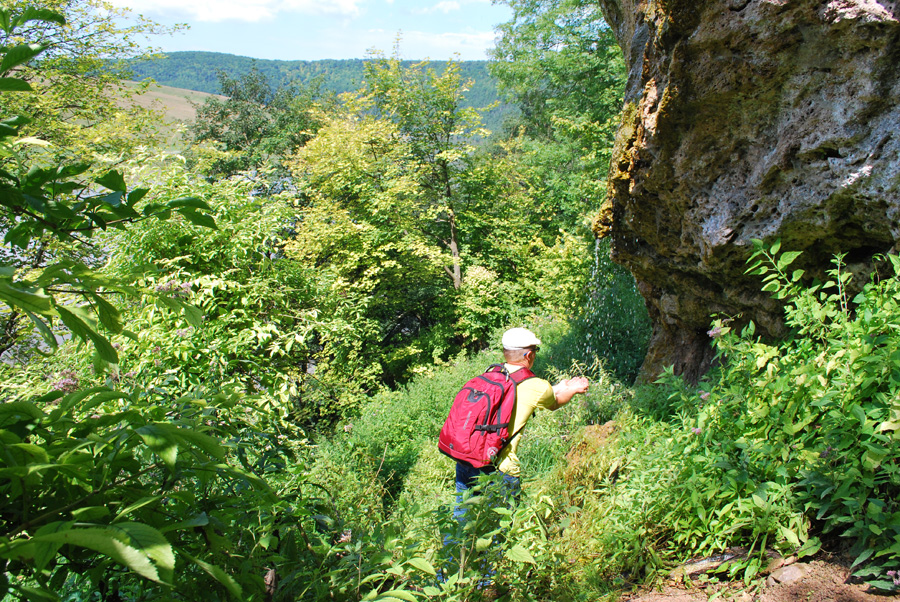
749,119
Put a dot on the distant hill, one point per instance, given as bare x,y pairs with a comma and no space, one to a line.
177,103
198,71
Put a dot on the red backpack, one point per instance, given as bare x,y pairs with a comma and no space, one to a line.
477,428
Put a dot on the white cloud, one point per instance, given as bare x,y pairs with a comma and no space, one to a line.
241,10
442,46
445,6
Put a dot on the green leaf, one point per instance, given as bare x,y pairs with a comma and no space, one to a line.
108,314
17,410
89,513
40,14
775,247
396,594
136,195
193,315
482,544
26,299
33,594
423,565
789,535
863,557
519,554
112,180
44,552
219,575
152,543
103,541
811,547
43,329
12,84
198,219
144,501
35,451
79,326
19,55
97,396
201,520
787,259
190,202
161,441
209,445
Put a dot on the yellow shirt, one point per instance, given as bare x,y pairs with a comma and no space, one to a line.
530,394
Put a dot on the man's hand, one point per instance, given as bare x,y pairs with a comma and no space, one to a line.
565,390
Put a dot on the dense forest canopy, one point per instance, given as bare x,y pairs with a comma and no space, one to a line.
225,367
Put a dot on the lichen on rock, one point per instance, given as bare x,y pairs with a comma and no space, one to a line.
748,119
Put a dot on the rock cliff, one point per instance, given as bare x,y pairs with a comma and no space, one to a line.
749,119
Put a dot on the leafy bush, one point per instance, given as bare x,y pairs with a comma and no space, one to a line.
820,412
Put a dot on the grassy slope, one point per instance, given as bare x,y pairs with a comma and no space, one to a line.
177,104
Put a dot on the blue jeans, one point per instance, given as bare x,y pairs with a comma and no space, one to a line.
465,479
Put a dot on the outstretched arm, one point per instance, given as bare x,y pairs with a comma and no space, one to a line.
565,390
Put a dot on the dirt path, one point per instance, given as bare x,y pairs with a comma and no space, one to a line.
816,581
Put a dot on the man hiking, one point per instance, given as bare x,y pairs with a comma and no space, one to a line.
520,348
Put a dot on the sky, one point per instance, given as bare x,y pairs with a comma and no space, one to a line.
328,29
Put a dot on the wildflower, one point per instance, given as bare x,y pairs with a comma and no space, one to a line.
117,346
348,428
715,332
704,395
67,383
696,430
345,536
183,332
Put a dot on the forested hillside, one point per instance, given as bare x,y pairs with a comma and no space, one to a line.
195,70
225,365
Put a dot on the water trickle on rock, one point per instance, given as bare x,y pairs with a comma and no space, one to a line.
613,322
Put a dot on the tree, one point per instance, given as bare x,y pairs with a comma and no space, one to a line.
80,102
421,247
255,125
49,214
558,60
428,110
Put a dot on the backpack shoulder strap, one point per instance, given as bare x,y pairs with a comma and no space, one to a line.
522,374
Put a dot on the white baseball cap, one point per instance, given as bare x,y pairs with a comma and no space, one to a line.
519,338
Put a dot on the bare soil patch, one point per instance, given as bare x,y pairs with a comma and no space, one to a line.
816,581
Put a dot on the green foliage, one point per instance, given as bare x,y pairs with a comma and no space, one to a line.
559,62
78,105
819,412
422,247
788,445
52,205
140,478
254,126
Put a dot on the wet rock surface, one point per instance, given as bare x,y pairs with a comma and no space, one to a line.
749,119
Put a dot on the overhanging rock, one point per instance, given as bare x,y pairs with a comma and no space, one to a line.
749,119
